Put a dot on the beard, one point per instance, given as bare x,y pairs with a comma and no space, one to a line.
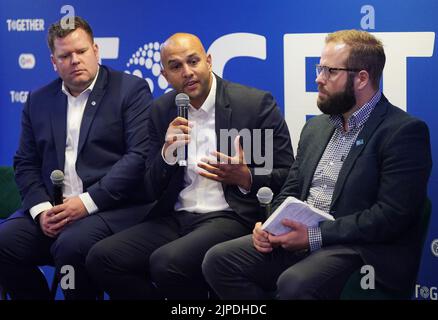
340,102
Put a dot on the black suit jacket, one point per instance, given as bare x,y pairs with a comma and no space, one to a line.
237,107
112,142
380,191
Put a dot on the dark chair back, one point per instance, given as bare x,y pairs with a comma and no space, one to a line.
10,200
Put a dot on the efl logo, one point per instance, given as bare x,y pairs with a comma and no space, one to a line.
434,247
26,61
425,292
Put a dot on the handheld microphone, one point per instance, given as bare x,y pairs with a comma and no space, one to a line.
264,195
57,177
182,101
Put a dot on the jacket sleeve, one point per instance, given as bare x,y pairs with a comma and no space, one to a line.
126,173
158,173
28,162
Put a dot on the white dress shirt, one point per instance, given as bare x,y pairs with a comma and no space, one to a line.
200,194
72,182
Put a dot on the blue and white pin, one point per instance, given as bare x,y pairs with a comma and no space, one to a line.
359,142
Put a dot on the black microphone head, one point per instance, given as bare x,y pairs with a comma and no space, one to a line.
264,195
182,100
57,177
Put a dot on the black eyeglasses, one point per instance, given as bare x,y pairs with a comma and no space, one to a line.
327,71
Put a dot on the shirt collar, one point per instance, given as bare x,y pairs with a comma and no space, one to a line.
88,89
358,118
209,103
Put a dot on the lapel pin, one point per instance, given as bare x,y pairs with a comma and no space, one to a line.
93,103
359,142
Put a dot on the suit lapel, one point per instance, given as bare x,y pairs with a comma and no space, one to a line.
222,116
58,119
222,112
323,136
93,104
376,117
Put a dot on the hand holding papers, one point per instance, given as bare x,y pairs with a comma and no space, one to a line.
294,209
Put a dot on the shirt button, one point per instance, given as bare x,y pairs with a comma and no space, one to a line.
331,163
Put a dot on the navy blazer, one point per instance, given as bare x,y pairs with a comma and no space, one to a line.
237,107
112,143
380,191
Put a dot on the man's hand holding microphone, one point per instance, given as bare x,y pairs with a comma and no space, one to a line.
65,211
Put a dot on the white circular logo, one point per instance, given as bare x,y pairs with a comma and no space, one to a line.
434,247
145,63
424,292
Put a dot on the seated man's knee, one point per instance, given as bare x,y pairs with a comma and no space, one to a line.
97,259
69,248
292,286
160,264
213,261
168,267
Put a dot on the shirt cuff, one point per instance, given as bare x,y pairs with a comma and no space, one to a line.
172,161
315,238
244,191
41,207
88,203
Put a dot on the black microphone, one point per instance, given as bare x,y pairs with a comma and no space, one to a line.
182,101
57,177
264,195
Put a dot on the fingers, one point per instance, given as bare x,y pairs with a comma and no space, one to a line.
180,121
46,226
294,225
238,148
260,239
212,168
170,151
53,219
56,228
262,246
223,159
177,138
55,210
275,240
177,135
211,176
179,129
180,125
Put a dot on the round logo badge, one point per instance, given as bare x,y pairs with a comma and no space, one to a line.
434,247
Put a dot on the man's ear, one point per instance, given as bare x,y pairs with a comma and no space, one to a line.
363,78
52,59
209,61
164,73
96,51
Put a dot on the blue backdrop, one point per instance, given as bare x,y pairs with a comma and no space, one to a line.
272,45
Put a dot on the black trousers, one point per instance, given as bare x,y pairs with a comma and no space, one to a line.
161,258
236,270
24,247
